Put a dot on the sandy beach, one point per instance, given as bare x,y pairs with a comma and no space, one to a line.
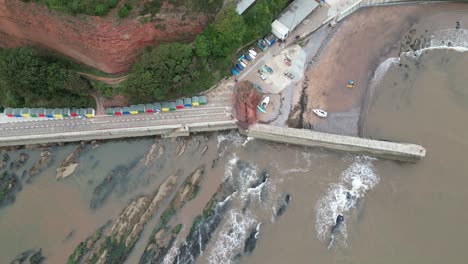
352,52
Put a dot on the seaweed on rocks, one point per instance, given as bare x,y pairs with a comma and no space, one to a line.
163,235
21,160
9,186
4,160
31,256
203,226
44,161
122,236
84,247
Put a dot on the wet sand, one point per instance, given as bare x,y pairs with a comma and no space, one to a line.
357,46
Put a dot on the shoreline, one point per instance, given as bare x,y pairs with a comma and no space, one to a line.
333,65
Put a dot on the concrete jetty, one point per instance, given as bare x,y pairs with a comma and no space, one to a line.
303,137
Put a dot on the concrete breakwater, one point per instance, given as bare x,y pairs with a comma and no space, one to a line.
376,148
382,149
163,131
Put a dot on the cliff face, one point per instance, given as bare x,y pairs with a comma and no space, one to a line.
107,44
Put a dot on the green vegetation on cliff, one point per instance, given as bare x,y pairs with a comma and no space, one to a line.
172,70
30,79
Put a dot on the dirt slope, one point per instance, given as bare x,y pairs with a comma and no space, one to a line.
107,44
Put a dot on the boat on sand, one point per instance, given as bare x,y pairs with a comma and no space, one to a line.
320,113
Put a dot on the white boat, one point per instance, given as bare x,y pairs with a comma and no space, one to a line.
263,105
320,112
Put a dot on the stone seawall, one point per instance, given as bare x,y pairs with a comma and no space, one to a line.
376,148
165,131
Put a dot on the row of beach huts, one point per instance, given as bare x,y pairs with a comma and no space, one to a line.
158,107
50,113
90,112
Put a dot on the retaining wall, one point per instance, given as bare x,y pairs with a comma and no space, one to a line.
303,137
166,130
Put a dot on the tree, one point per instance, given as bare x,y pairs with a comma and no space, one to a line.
202,46
27,79
159,72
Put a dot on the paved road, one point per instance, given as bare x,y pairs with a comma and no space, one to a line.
44,126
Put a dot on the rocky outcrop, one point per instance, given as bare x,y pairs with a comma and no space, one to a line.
154,153
126,229
21,160
164,234
70,163
247,99
42,163
103,43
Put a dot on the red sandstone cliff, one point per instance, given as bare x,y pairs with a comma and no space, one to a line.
107,44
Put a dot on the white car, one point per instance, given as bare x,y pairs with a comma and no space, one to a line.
243,64
252,54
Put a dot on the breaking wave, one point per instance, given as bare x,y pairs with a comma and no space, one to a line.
229,242
342,197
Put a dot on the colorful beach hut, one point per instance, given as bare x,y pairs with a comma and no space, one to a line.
110,111
58,113
126,110
34,112
165,107
41,112
187,102
157,107
203,100
118,111
149,108
66,112
90,112
49,113
17,112
172,106
179,104
81,112
133,110
9,112
74,112
25,112
141,108
195,101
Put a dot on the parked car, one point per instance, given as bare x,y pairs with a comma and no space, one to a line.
245,61
269,69
234,72
248,57
253,53
243,64
261,75
240,67
289,75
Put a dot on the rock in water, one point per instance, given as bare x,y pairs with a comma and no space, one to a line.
283,205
